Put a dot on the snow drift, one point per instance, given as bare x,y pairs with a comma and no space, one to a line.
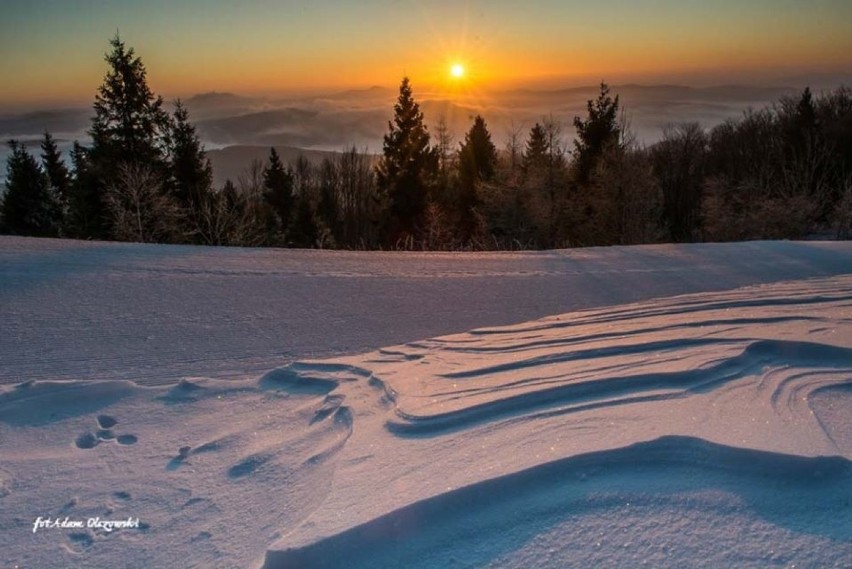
706,429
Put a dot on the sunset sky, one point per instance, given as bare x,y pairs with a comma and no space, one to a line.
52,51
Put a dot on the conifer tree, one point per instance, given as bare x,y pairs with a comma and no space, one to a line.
479,151
477,164
130,129
537,149
29,207
405,169
806,112
304,231
278,192
596,133
86,218
191,173
57,174
129,124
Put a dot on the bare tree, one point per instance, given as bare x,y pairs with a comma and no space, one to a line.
140,210
225,218
250,181
445,138
624,198
359,200
680,164
514,150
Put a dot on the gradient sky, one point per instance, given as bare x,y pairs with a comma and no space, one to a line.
51,51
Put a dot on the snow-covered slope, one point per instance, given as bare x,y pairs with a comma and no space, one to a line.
706,429
155,314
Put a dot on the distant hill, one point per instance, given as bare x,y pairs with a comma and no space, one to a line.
232,161
30,125
336,120
215,105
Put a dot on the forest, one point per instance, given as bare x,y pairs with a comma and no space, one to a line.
780,172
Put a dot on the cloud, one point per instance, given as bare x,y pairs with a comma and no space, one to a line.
335,121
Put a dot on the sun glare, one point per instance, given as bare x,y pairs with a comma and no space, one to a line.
457,70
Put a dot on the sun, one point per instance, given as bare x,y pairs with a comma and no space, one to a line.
457,70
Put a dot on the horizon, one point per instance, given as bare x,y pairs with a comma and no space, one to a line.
276,48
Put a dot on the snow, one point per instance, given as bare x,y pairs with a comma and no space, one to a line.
660,406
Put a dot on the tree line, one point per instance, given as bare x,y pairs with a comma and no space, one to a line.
781,172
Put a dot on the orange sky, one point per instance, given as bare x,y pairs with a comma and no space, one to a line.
53,51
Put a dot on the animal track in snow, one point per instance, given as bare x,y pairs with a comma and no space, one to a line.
103,433
106,422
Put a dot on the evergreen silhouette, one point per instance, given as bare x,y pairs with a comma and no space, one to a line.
806,119
278,192
537,150
29,207
595,133
479,152
405,168
130,129
130,123
57,174
303,232
191,173
86,218
477,164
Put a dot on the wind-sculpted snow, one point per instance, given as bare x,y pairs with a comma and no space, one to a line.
674,471
542,425
709,429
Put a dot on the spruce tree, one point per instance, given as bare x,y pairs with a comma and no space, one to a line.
536,151
86,218
477,164
191,173
130,129
304,231
278,192
129,124
479,151
29,207
806,112
57,174
596,133
406,166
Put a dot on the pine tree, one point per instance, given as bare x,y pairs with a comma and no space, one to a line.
57,174
278,192
405,169
29,207
596,133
